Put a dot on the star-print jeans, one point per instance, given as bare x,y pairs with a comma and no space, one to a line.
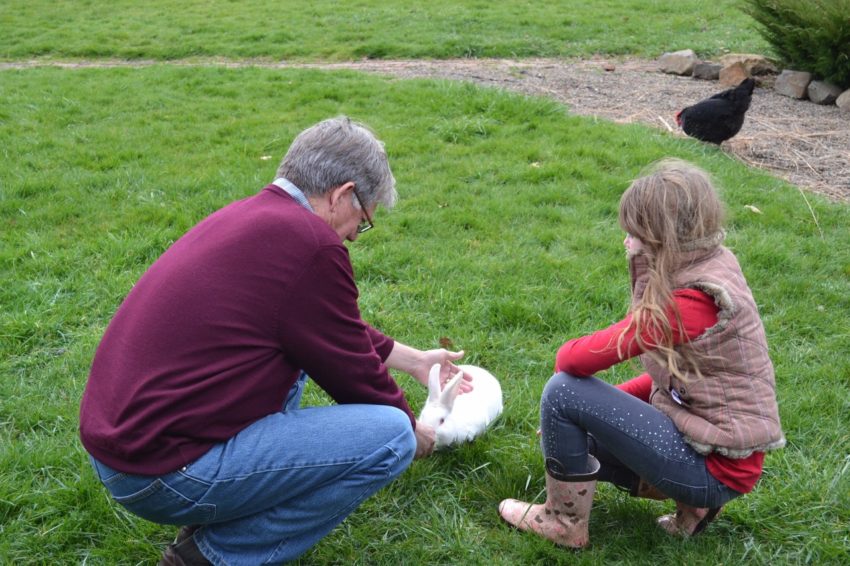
630,438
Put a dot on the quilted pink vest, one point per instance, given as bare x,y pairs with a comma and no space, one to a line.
732,410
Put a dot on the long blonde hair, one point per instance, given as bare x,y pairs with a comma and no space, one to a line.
673,209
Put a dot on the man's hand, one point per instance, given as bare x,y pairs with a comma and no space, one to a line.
424,359
447,368
425,437
418,363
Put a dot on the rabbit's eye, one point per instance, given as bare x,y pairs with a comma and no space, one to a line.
442,421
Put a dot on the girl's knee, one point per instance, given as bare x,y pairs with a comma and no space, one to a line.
559,386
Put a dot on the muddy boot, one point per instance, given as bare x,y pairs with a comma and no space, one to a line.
563,519
687,521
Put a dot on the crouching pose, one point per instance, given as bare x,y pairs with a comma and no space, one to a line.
695,427
191,412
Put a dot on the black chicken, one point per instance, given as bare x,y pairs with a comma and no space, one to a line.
720,117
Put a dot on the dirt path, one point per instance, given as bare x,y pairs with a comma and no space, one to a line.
806,144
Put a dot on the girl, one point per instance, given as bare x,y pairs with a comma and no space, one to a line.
696,425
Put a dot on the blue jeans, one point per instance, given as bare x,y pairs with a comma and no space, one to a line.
276,488
630,438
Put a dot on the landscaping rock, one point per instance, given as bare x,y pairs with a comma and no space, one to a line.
792,83
707,71
755,65
821,92
678,62
733,74
843,101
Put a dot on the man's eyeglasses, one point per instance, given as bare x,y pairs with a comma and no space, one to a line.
365,225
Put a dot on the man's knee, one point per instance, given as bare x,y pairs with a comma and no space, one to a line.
401,438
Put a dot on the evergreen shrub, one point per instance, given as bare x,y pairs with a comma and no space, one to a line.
807,35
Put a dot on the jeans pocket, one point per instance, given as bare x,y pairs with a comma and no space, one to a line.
159,503
105,474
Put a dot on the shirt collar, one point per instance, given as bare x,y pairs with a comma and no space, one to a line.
286,186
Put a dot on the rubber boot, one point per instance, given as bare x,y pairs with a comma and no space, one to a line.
564,517
688,521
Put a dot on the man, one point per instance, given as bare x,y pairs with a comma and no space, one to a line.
191,412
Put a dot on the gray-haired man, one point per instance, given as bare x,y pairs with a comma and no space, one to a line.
191,413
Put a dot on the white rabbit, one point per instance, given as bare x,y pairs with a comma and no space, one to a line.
460,418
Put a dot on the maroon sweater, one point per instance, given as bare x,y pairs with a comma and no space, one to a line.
214,334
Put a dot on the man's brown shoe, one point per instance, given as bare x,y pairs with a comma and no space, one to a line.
185,552
186,532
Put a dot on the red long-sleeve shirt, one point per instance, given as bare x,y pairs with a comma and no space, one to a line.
213,336
588,355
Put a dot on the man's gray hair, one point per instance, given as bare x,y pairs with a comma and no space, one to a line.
334,152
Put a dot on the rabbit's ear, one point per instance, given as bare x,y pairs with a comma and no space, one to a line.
434,384
447,397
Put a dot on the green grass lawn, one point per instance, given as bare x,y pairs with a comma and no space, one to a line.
505,240
327,29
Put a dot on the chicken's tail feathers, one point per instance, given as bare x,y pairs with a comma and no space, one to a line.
743,91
